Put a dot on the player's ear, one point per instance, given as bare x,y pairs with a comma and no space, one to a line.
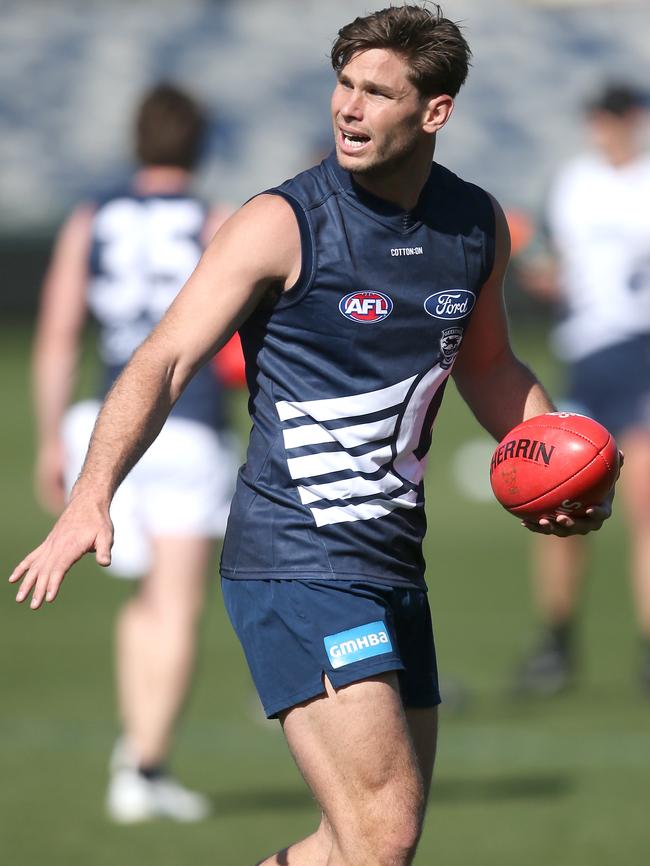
437,112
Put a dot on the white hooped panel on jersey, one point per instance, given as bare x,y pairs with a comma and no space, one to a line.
362,460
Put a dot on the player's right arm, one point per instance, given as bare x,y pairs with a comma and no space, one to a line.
256,249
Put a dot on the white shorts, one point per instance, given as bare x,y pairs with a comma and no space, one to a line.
182,486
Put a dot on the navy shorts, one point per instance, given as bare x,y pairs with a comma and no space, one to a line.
294,631
613,386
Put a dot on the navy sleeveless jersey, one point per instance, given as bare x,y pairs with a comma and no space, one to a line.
347,371
143,249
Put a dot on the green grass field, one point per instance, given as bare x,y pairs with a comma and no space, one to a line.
558,783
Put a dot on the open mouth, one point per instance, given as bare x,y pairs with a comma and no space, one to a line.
353,140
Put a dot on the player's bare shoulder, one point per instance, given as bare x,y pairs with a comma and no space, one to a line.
263,237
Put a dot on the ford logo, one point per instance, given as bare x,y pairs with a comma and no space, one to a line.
450,304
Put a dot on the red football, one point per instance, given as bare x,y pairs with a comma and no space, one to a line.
558,462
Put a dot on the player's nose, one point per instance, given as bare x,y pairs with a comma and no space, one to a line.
352,106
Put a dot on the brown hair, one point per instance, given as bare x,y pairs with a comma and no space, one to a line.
169,128
433,47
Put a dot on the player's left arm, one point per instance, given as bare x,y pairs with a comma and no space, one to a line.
500,390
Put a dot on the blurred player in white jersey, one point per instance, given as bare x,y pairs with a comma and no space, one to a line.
599,224
123,259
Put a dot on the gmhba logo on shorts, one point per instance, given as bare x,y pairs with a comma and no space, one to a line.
450,304
366,307
358,643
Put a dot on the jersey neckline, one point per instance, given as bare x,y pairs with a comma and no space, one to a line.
395,217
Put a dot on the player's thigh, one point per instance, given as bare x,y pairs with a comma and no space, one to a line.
423,727
354,748
175,581
294,631
635,475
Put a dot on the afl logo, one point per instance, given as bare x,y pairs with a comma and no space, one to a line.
450,304
367,307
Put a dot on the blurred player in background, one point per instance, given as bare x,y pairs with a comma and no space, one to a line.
598,219
358,286
122,259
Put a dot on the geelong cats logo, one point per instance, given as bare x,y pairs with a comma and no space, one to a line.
450,340
366,307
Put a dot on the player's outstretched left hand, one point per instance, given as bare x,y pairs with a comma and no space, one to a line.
84,526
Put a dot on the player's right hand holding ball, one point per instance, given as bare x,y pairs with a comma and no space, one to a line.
557,472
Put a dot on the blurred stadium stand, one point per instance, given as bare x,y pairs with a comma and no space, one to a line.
71,70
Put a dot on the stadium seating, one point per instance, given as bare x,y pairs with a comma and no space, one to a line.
70,76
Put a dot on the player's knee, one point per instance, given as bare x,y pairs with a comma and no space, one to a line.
393,850
389,849
392,824
174,610
397,838
183,615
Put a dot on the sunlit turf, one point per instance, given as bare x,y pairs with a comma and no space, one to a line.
564,782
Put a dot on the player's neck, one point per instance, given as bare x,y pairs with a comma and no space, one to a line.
622,155
161,179
403,185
